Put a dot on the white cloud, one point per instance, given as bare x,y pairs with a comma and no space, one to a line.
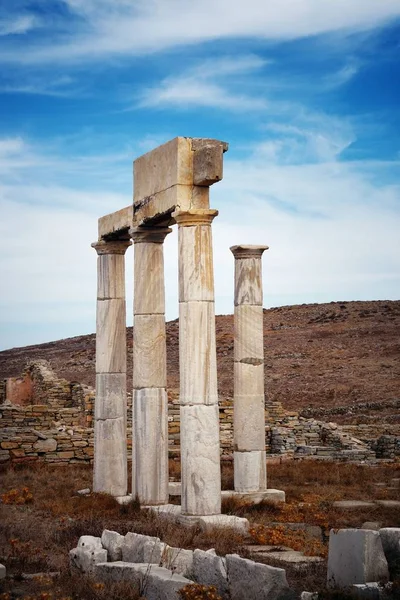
208,84
332,228
125,27
18,25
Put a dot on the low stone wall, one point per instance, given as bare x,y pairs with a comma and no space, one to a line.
57,446
67,411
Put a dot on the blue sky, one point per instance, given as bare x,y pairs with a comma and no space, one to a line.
306,92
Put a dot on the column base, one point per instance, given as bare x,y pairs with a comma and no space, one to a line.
270,495
173,513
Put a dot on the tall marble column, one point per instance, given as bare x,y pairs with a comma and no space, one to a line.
249,412
150,403
110,446
200,450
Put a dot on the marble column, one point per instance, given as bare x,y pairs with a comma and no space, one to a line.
150,403
249,412
110,445
199,415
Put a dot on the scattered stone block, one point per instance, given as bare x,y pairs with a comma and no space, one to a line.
366,591
270,495
154,582
135,545
390,537
84,492
239,524
353,504
355,556
90,542
210,569
3,572
85,558
255,581
175,488
153,551
112,542
309,596
389,503
374,525
178,560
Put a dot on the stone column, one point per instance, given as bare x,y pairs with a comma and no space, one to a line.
249,412
150,403
110,446
200,451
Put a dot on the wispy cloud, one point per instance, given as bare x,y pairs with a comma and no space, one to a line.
61,87
119,27
341,76
18,25
209,84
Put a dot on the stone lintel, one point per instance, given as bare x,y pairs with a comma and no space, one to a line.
149,234
116,224
116,246
248,251
195,216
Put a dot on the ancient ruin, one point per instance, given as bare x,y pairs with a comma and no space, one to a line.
171,186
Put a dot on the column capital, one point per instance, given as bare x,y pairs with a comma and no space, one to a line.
195,216
247,251
149,235
111,247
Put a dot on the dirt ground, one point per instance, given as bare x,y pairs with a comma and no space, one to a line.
42,518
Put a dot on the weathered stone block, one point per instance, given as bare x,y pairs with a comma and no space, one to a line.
201,474
210,569
208,163
196,275
150,446
198,380
149,340
255,581
250,471
178,560
47,445
149,297
110,276
110,330
248,282
355,556
153,582
112,542
390,537
164,167
110,400
85,559
134,544
110,465
116,222
248,423
248,334
3,572
248,380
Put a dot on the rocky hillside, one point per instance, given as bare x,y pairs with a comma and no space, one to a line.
318,356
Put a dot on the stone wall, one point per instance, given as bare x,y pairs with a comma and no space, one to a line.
59,428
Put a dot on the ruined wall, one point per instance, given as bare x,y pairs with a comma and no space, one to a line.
59,429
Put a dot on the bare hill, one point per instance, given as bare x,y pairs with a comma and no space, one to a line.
317,356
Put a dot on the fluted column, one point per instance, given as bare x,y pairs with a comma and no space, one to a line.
199,416
110,447
249,412
150,403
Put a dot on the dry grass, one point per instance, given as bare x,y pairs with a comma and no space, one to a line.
36,536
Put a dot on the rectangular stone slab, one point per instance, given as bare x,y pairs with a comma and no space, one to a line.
116,223
165,166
